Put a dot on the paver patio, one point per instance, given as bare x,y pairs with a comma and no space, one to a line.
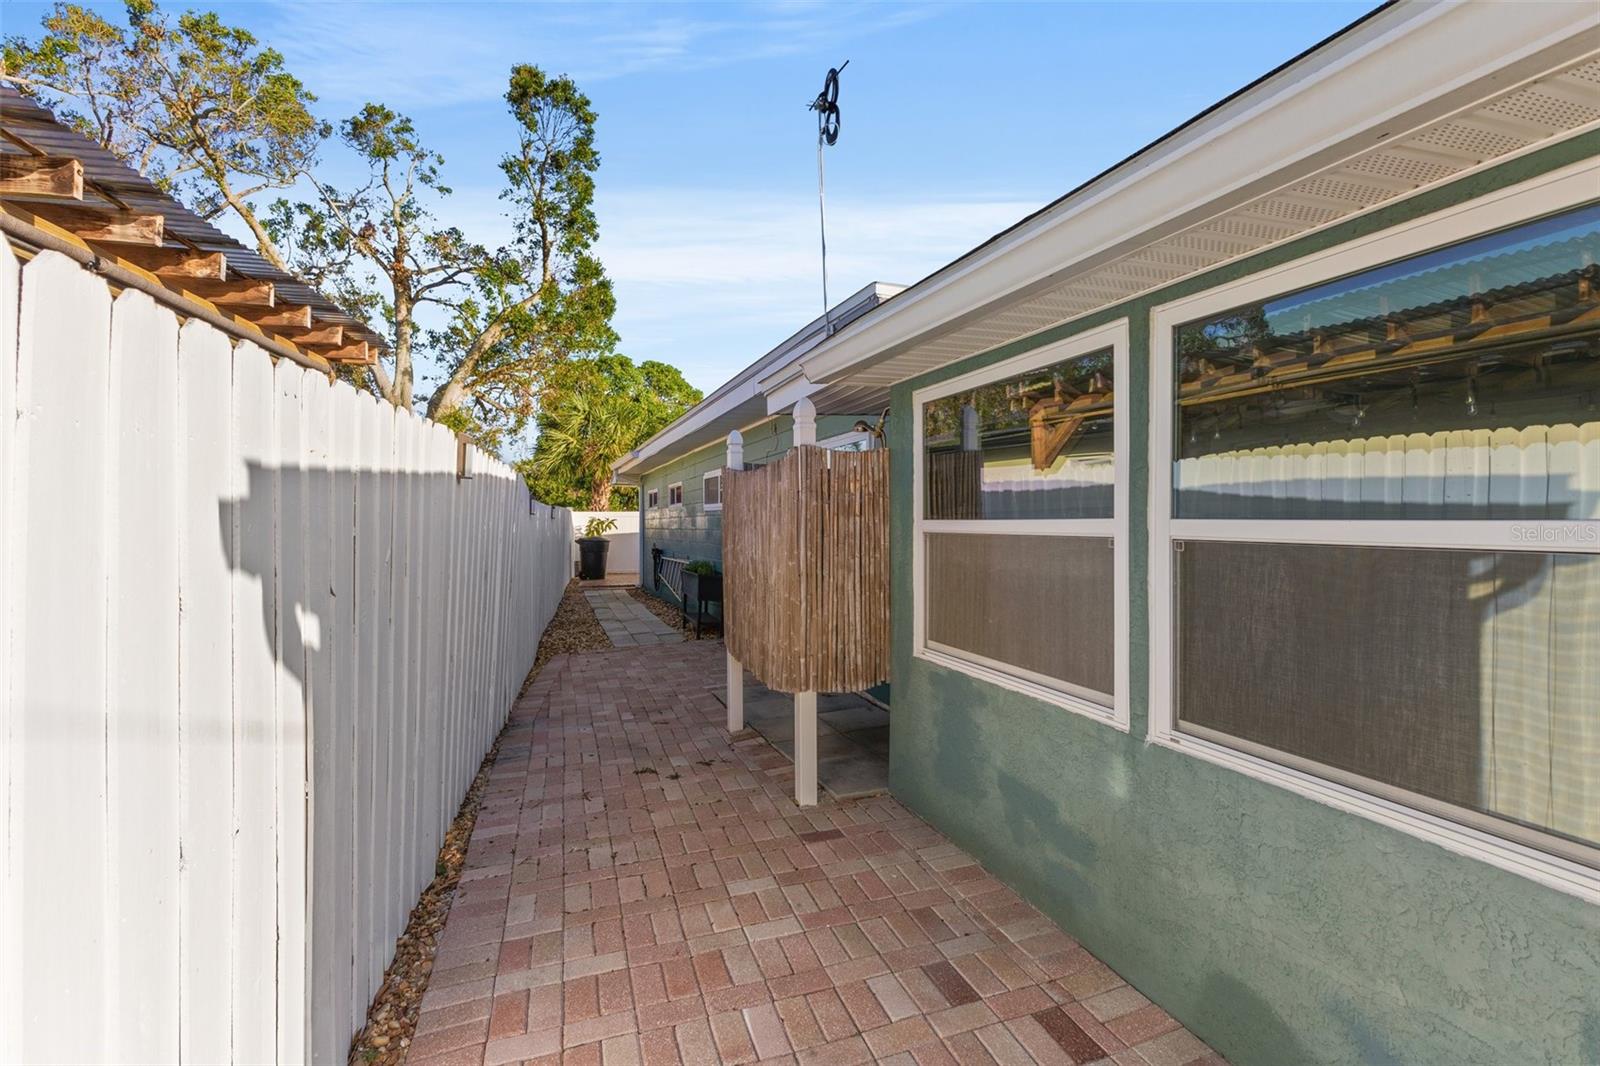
852,736
640,888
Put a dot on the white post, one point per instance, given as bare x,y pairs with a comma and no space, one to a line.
735,671
805,703
805,749
969,428
805,421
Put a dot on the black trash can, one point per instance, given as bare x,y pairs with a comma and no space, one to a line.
592,557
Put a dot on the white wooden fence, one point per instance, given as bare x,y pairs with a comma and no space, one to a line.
623,555
1534,472
256,639
1077,490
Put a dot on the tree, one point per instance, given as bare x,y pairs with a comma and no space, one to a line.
382,230
596,409
545,298
193,104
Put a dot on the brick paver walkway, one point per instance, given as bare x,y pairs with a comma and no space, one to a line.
641,889
628,622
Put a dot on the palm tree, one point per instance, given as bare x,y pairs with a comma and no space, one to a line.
582,433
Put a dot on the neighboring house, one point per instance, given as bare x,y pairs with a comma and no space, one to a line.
1245,536
678,470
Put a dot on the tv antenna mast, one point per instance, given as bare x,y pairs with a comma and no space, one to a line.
826,105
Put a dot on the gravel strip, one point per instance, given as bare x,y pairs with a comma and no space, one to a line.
392,1018
574,629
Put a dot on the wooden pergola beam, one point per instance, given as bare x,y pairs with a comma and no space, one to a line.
280,317
359,353
238,292
51,176
88,224
314,336
47,192
169,262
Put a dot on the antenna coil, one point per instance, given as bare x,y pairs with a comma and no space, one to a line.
826,105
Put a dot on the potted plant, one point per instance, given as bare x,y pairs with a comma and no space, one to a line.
702,584
592,548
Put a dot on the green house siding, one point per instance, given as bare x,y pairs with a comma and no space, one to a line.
690,531
1277,928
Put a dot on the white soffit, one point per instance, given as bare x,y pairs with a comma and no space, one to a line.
1551,106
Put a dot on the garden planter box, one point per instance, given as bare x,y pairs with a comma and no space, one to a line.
699,590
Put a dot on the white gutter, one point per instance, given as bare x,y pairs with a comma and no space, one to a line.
1404,66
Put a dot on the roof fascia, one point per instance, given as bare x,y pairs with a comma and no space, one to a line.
1381,78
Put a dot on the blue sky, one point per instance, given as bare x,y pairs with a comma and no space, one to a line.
958,119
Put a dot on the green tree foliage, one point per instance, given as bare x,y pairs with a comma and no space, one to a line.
203,109
192,103
377,248
596,410
545,298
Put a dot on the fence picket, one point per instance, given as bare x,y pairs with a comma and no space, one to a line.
294,667
205,698
328,537
59,636
142,657
11,917
255,677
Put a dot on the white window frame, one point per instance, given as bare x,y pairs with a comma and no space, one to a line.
652,499
841,440
675,485
708,476
1047,689
1558,190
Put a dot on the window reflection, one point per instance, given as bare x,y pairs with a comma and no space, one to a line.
1034,445
1464,383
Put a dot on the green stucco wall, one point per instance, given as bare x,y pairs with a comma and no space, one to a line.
1280,930
690,531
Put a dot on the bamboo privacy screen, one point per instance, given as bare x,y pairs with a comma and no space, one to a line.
955,484
805,555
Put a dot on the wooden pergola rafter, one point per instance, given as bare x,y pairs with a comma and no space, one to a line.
99,206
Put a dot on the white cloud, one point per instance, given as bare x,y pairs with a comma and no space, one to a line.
410,55
709,279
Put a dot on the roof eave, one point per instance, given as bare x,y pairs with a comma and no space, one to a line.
1324,105
749,383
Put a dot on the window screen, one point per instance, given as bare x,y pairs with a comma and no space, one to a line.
713,490
1043,604
1471,678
